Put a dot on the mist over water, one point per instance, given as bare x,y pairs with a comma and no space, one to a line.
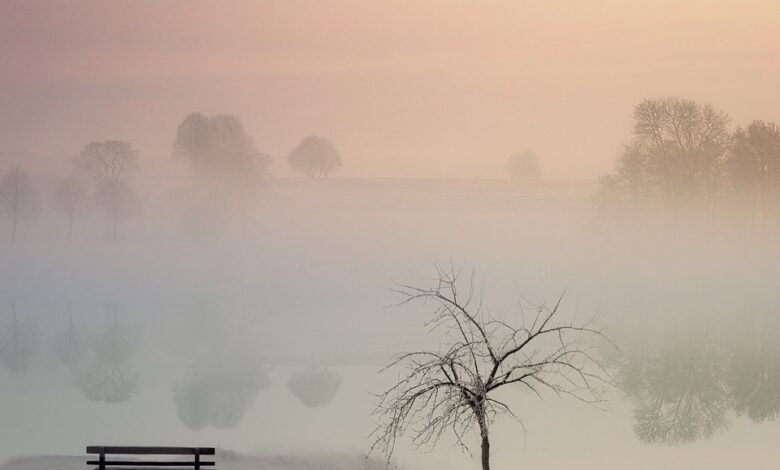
194,336
446,235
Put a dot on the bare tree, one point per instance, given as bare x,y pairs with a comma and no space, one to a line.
677,152
108,161
108,164
71,197
685,143
524,166
454,388
754,167
314,157
17,197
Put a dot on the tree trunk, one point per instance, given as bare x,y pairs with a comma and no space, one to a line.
70,228
485,452
13,230
483,432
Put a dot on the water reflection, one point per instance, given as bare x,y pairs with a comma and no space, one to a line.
69,345
106,376
314,386
18,344
220,389
686,383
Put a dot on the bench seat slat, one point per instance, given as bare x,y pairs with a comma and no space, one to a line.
127,450
135,468
141,463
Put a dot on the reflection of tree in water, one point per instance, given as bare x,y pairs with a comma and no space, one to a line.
677,391
315,386
107,384
69,345
219,391
754,372
105,377
685,387
18,343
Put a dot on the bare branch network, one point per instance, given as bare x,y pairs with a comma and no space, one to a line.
453,389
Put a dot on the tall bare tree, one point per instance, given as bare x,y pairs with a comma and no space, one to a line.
71,198
676,154
454,388
17,198
108,164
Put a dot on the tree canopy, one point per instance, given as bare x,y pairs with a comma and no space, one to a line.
219,149
314,157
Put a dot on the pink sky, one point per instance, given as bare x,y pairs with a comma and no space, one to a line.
404,88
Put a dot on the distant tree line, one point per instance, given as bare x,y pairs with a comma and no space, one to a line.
223,157
684,155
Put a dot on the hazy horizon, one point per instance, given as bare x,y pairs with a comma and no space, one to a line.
411,89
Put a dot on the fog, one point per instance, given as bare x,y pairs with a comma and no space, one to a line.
227,244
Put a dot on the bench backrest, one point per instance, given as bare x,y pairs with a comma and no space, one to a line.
107,457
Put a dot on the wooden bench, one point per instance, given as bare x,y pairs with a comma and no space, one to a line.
122,462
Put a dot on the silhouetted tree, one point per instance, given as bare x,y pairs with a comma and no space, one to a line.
17,198
17,344
453,388
219,150
314,386
676,153
108,161
108,164
71,198
754,166
524,166
314,157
